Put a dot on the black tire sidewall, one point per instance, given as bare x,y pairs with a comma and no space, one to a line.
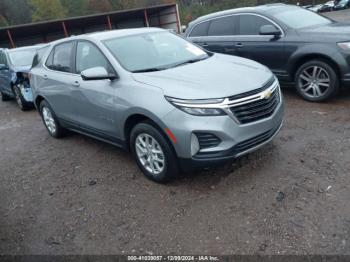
171,163
332,90
59,130
24,105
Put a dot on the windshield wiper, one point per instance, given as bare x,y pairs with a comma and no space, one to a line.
191,61
154,69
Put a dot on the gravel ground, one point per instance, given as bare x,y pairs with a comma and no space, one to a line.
81,196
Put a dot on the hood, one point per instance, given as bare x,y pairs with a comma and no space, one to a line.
21,69
334,32
216,77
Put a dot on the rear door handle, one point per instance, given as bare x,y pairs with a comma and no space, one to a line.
45,77
239,45
205,45
76,84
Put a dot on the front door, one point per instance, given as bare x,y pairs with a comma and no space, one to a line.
94,100
267,50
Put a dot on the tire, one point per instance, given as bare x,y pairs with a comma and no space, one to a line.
160,171
50,120
316,81
5,97
21,102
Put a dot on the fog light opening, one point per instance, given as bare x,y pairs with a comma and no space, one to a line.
194,145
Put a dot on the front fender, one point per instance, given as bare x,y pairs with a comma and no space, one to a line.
312,51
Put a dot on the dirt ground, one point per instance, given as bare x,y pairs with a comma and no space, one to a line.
81,196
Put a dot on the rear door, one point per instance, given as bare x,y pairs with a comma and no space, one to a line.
56,80
267,50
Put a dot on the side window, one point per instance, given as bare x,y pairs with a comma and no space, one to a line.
60,58
89,56
222,26
250,24
200,30
38,56
3,59
49,61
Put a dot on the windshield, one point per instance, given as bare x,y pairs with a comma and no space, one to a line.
299,18
153,51
22,58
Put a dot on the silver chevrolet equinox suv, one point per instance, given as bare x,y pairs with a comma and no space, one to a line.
174,105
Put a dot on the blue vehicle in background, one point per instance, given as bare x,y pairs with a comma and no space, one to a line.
15,65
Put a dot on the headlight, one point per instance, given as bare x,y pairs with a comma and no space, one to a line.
344,45
202,107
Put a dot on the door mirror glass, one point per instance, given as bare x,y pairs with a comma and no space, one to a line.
97,73
270,30
3,67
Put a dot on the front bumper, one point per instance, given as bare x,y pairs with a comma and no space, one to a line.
218,158
26,92
236,139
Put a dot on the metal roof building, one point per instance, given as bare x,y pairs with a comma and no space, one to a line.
164,16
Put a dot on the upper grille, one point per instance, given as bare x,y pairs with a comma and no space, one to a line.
258,109
255,91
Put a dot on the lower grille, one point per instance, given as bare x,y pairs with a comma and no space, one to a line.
258,109
255,141
240,147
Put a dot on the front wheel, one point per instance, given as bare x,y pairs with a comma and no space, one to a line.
316,81
21,102
153,153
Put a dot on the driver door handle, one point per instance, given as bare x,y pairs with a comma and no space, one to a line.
76,84
239,45
45,77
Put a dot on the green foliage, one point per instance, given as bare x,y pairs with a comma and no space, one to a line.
14,12
46,10
75,7
3,21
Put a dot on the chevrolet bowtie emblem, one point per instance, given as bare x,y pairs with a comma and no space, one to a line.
267,94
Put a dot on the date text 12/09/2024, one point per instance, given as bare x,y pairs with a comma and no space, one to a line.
173,258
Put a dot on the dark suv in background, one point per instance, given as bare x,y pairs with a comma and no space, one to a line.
298,45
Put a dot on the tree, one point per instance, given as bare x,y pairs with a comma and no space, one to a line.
99,6
3,21
15,12
75,7
46,10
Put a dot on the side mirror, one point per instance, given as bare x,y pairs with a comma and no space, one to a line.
3,67
270,30
97,73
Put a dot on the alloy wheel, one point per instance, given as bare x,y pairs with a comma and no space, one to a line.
150,154
49,120
314,81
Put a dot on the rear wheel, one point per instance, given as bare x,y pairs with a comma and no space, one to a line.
22,103
316,81
153,153
5,97
50,120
